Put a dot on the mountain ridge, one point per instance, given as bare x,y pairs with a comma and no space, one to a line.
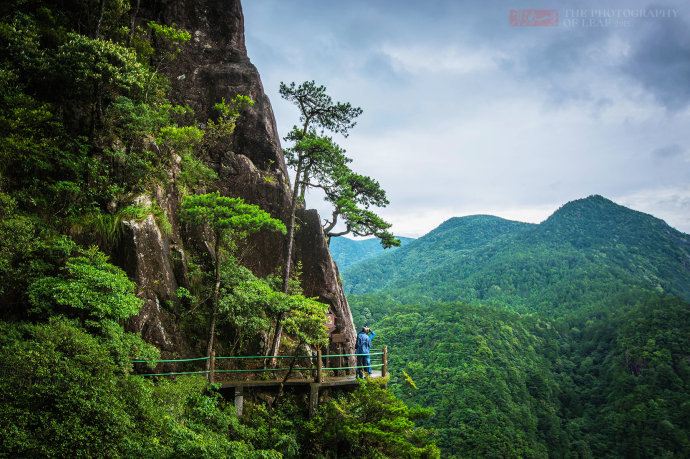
589,246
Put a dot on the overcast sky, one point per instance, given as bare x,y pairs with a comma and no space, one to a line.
465,113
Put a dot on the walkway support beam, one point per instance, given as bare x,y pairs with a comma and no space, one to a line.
313,399
239,400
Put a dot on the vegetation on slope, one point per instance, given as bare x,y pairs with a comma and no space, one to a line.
87,128
570,347
610,382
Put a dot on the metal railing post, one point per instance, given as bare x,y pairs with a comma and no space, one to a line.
384,369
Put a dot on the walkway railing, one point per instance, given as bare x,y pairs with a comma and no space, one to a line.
379,359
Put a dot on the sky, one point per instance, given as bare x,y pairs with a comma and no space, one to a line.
466,112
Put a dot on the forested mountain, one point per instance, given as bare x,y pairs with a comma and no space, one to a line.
586,251
568,341
346,251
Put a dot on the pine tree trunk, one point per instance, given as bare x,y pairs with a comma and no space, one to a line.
281,386
101,11
275,346
216,299
133,22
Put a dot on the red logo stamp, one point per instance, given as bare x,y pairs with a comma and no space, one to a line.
533,18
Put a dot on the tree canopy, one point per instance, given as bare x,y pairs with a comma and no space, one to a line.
228,215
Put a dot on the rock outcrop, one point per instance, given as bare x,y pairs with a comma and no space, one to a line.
215,65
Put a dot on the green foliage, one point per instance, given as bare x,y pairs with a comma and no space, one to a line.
88,287
249,305
169,41
317,108
230,219
218,131
482,372
28,251
69,153
21,43
361,221
194,174
230,111
278,429
95,68
304,320
352,195
87,130
40,166
105,229
320,163
62,393
141,212
134,121
184,294
246,304
91,144
182,139
370,422
630,378
196,422
171,33
224,213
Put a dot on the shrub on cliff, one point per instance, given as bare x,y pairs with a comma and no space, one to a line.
370,422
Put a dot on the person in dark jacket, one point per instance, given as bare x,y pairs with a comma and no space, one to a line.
364,339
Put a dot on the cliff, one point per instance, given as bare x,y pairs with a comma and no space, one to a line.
212,66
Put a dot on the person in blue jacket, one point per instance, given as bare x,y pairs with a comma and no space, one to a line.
363,346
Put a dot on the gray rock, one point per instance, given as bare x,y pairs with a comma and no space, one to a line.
213,65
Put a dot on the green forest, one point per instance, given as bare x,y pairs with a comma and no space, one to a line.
564,339
90,135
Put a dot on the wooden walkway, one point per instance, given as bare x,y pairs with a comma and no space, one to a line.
328,381
321,373
314,387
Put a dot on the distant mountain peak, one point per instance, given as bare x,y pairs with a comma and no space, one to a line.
595,199
473,220
594,207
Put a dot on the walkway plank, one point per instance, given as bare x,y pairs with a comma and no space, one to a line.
331,381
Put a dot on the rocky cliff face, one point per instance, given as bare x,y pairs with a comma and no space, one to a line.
212,66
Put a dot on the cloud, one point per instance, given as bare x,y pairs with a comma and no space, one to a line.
449,60
660,61
464,114
668,152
